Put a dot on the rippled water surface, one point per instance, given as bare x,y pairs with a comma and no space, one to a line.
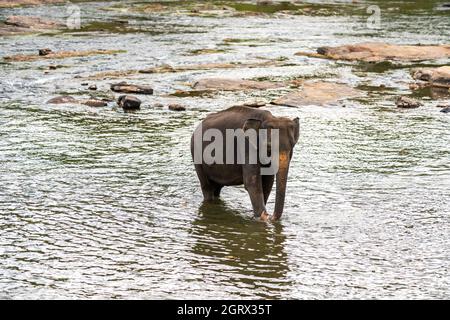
97,203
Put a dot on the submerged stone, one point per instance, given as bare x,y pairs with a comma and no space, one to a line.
318,93
197,52
95,103
111,74
255,104
131,88
27,24
376,52
407,103
62,99
176,107
227,84
18,3
436,77
32,22
60,55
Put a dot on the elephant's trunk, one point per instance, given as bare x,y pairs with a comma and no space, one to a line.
282,175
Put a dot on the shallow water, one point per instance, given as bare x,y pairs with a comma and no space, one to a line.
97,203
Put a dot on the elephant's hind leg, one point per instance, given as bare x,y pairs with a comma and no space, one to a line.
209,188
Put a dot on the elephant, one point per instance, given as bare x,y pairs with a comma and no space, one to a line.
214,176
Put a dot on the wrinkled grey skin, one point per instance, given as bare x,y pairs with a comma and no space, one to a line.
215,176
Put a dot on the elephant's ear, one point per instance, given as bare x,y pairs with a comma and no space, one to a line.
252,124
297,129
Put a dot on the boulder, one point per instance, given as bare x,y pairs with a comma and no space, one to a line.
124,87
16,25
436,77
92,102
378,52
95,103
226,84
446,110
59,55
92,87
54,67
407,103
255,104
318,93
176,107
129,102
17,3
31,22
44,52
111,75
62,99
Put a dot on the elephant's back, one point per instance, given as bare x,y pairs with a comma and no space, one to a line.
234,117
231,118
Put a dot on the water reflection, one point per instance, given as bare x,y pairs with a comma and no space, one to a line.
250,253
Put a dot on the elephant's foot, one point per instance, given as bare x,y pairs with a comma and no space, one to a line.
264,216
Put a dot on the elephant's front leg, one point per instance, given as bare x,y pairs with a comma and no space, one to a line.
253,185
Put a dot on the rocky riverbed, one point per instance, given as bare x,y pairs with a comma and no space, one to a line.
98,194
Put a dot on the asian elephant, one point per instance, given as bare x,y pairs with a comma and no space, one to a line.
215,175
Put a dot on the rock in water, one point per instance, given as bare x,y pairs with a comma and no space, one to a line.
62,99
44,52
92,87
17,3
15,25
227,84
131,88
30,22
407,103
318,93
377,52
59,55
254,104
176,107
446,110
95,103
436,77
129,102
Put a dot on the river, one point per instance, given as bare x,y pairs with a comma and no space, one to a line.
98,203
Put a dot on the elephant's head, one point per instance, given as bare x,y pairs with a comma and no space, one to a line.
288,134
